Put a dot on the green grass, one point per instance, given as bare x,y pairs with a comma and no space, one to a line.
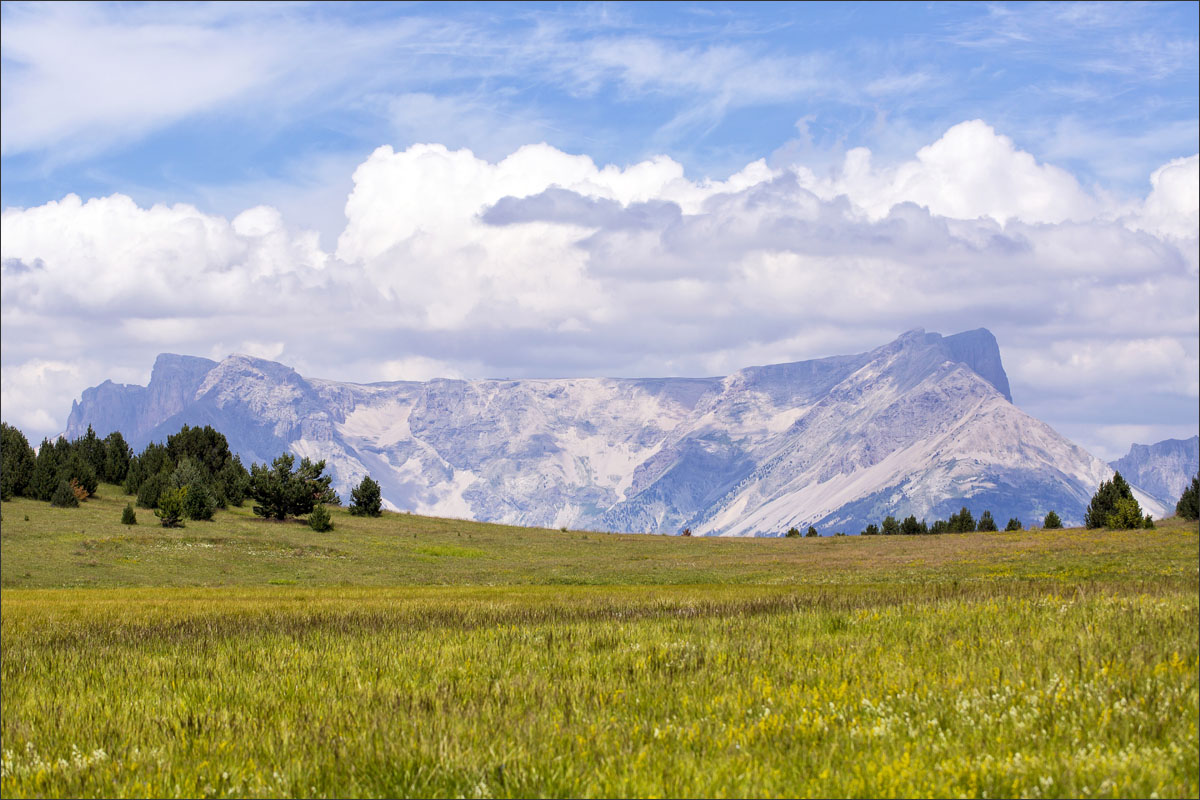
408,656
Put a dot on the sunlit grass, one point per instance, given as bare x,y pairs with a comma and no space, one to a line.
1032,664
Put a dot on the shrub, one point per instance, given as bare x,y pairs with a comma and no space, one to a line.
1014,524
64,496
1188,506
792,533
1148,523
811,531
127,516
686,532
170,507
986,523
81,493
319,519
1052,522
367,500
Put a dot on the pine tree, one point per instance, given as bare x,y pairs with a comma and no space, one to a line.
986,523
319,520
1188,506
198,503
44,481
792,532
811,531
1052,522
368,502
1126,516
871,530
1014,524
64,497
170,507
128,517
16,462
1104,501
890,526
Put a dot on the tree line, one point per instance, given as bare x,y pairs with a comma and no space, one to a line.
188,477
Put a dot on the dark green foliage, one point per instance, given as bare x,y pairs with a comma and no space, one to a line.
77,468
962,522
1148,523
910,526
16,462
234,481
1127,515
45,472
986,523
319,519
117,455
127,516
198,504
90,448
64,496
1188,506
811,531
871,530
939,526
792,533
368,502
150,490
280,493
1014,524
170,507
205,446
1052,522
1104,502
890,526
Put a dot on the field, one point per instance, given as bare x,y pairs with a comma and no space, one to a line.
409,656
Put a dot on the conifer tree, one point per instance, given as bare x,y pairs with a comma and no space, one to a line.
986,523
1052,522
64,496
1188,506
1014,524
319,519
1104,502
367,501
128,517
16,462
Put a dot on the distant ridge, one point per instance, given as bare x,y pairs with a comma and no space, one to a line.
1162,470
922,425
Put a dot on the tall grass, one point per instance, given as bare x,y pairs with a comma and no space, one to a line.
989,665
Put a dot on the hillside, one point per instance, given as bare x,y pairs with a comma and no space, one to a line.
88,547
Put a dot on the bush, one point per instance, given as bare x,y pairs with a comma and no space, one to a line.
1148,523
81,493
1104,503
686,532
170,507
1052,522
1188,506
127,516
64,496
811,531
792,533
367,500
319,519
1014,524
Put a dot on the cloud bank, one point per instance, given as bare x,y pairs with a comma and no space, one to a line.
543,263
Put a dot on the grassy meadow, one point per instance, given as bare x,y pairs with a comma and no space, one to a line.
408,656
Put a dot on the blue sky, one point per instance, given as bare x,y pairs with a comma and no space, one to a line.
225,108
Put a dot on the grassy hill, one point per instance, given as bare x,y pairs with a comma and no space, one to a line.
408,656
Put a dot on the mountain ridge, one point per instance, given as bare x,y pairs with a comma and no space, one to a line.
919,425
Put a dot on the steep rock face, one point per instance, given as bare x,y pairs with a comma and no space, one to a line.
1162,470
922,425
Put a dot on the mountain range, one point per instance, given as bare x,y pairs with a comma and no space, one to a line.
1162,470
922,425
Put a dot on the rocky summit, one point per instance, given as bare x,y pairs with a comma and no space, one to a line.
923,425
